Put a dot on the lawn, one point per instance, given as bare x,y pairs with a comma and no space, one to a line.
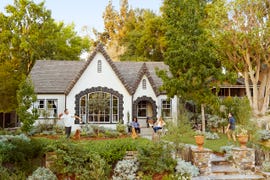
210,144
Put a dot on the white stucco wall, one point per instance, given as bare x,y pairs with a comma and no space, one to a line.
107,78
149,91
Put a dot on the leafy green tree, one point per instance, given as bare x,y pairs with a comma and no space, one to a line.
26,97
241,32
29,33
145,37
194,68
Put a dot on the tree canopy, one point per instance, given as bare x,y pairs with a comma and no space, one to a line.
241,32
195,68
29,33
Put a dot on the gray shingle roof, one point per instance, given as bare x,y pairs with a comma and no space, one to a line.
50,76
54,76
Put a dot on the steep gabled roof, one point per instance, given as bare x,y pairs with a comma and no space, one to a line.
100,49
50,76
53,77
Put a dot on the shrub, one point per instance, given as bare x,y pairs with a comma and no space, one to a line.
155,158
121,128
186,169
212,136
42,174
126,169
264,135
20,151
72,159
266,166
6,174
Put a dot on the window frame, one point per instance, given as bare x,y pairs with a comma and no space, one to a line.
46,109
144,84
166,102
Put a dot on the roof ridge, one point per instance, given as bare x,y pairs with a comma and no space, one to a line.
99,48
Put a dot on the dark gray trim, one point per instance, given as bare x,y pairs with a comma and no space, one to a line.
102,89
144,98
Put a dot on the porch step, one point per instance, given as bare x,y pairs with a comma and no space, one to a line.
146,131
229,177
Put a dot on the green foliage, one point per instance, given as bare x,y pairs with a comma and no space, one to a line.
240,108
155,158
11,175
121,128
26,97
42,173
72,159
194,67
186,169
29,33
20,151
266,166
264,135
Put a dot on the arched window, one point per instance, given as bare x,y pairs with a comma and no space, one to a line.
144,84
99,105
99,66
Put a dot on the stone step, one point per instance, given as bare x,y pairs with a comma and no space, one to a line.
229,177
219,160
146,131
223,170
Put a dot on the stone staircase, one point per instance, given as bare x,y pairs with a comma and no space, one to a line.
222,169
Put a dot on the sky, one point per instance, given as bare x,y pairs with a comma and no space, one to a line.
86,12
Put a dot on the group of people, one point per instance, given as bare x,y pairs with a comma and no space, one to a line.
155,125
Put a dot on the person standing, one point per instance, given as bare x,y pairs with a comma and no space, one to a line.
68,121
231,128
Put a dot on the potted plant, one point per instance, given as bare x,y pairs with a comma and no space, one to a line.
199,139
242,136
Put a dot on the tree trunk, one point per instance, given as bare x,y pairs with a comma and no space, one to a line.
203,118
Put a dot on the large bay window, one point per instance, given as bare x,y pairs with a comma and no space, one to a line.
99,107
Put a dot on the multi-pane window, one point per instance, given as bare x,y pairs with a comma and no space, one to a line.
99,107
144,84
99,66
47,108
142,108
166,108
82,108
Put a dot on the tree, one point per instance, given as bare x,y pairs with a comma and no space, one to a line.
26,97
194,68
145,37
28,33
241,31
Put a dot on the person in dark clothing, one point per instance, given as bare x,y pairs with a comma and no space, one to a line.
231,128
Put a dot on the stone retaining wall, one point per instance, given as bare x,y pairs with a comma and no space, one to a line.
202,159
244,158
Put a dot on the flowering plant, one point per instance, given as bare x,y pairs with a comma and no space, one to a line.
241,131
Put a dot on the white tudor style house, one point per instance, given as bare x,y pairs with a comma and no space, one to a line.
130,89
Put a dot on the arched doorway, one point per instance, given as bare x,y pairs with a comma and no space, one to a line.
144,107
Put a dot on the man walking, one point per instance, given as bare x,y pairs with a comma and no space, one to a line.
68,121
231,128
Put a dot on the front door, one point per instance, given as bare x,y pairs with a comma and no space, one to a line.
144,109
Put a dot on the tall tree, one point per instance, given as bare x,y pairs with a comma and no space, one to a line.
194,67
145,37
241,31
28,33
114,23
